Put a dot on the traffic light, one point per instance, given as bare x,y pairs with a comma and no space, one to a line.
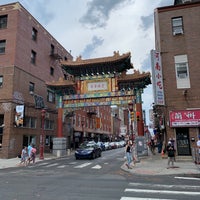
132,116
138,116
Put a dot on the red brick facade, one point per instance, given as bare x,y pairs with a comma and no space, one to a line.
170,46
17,72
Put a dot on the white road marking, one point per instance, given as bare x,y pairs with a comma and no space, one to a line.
83,165
165,186
52,165
61,166
72,163
187,178
138,198
97,167
41,164
161,191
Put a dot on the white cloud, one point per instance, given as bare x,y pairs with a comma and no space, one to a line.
125,25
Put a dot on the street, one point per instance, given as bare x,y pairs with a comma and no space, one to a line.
101,178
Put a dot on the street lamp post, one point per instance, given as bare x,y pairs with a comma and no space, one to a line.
42,135
130,107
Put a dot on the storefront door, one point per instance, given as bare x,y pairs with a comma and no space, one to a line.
183,143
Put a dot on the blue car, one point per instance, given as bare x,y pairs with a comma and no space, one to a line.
88,150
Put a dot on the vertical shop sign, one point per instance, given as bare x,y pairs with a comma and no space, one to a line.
157,78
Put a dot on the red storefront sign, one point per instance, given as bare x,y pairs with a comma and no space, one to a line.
185,118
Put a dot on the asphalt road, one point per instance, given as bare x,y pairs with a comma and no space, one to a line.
99,179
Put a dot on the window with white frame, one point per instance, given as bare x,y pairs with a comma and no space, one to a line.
30,122
177,25
50,96
182,71
49,124
1,81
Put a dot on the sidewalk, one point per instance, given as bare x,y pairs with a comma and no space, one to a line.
14,162
156,165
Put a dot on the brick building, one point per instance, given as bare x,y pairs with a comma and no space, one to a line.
29,56
177,43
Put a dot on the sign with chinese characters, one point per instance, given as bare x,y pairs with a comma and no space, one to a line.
99,85
157,78
185,118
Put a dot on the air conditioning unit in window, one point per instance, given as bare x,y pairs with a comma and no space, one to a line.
182,75
178,32
186,1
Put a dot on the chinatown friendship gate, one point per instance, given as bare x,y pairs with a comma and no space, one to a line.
98,82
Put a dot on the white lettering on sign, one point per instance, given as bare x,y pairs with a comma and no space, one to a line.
97,86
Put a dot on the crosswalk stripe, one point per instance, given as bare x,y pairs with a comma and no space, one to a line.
41,164
52,165
61,166
162,191
138,198
83,165
165,186
187,178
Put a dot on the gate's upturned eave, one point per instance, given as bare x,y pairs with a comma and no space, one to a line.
113,64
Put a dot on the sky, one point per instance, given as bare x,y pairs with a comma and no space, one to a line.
97,28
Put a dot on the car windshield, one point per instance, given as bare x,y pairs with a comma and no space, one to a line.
86,145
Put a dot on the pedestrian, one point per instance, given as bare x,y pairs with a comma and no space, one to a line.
128,154
24,156
171,154
152,145
32,154
198,144
134,152
29,152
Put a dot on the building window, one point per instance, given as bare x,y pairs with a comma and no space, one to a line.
31,87
50,96
177,26
48,124
52,49
2,46
33,57
51,71
34,34
1,81
3,21
30,122
182,71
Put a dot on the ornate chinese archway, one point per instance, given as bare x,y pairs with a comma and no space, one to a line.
100,81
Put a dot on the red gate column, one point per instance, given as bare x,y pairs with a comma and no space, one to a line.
60,116
139,116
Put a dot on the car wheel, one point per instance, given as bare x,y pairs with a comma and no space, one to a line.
99,154
93,155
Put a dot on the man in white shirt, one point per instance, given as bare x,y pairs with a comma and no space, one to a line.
198,144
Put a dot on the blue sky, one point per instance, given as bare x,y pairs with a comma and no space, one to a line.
97,28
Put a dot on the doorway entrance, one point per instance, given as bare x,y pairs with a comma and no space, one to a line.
183,143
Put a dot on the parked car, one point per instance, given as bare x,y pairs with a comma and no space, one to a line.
89,150
102,145
113,145
107,146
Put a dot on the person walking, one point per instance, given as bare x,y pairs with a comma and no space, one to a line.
32,154
128,154
24,156
171,154
134,152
